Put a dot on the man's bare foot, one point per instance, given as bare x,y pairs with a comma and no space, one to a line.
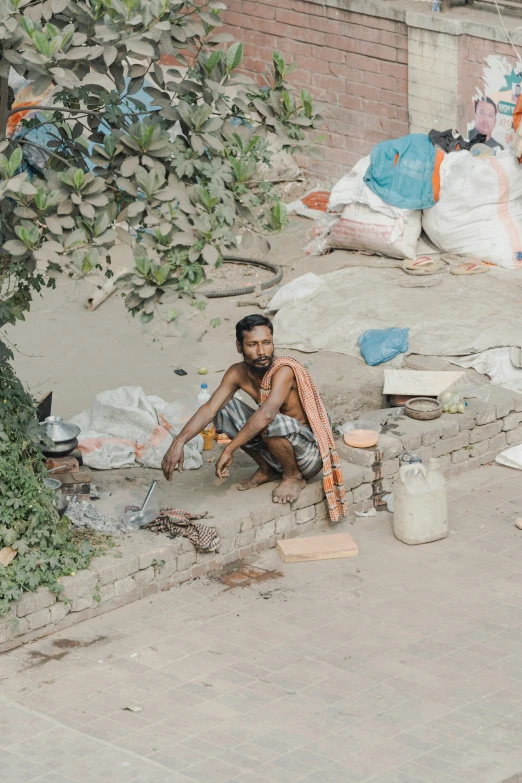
288,490
261,476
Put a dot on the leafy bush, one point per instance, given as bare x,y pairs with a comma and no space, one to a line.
172,179
172,176
29,522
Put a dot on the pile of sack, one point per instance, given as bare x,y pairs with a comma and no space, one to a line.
467,204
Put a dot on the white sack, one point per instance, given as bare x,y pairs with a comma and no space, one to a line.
361,228
301,289
511,458
352,189
479,212
125,428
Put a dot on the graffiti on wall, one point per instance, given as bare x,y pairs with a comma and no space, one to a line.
493,106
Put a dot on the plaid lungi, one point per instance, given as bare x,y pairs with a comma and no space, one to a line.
233,417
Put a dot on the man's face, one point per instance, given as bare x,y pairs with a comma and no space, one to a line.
257,348
485,118
517,89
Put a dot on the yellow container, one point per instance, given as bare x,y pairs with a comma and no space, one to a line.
208,439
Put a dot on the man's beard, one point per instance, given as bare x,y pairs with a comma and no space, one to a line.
261,369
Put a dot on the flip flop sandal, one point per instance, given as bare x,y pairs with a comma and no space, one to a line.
470,268
452,258
424,265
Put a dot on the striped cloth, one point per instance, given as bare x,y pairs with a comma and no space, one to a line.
313,407
233,417
176,522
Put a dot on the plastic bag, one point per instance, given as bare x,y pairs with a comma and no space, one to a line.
452,402
511,458
312,205
381,345
318,236
299,290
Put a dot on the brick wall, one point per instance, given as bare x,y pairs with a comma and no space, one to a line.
355,65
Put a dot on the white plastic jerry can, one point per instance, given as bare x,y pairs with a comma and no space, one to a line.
420,503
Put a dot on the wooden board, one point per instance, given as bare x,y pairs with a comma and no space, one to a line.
417,383
6,555
43,408
298,550
70,465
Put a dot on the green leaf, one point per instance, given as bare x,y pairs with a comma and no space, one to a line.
78,178
143,266
211,255
161,274
279,216
41,42
172,315
15,248
211,19
234,56
279,64
15,160
306,100
139,46
109,144
101,224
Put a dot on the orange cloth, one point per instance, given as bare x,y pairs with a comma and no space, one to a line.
314,409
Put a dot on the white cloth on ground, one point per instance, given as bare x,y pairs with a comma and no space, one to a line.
126,428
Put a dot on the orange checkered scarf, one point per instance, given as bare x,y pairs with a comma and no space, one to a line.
318,419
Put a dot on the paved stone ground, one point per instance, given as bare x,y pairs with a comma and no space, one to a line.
399,666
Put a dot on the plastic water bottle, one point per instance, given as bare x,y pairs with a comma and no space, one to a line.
209,433
435,6
203,395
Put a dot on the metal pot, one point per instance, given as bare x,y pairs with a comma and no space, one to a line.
62,449
58,430
60,501
64,437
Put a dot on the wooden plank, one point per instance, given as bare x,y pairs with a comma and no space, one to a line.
419,383
7,554
298,550
43,408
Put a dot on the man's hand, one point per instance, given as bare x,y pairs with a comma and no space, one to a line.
223,464
173,457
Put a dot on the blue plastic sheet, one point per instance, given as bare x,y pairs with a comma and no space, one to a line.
381,345
401,171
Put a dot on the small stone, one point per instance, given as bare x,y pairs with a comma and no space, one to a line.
518,523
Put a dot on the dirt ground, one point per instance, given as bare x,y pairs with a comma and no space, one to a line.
64,348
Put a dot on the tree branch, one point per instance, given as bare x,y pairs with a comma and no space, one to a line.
41,147
4,108
76,111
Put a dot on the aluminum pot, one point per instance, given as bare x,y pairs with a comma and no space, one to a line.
60,501
62,449
58,430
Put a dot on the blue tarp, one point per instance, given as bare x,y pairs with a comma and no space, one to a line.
381,345
401,171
